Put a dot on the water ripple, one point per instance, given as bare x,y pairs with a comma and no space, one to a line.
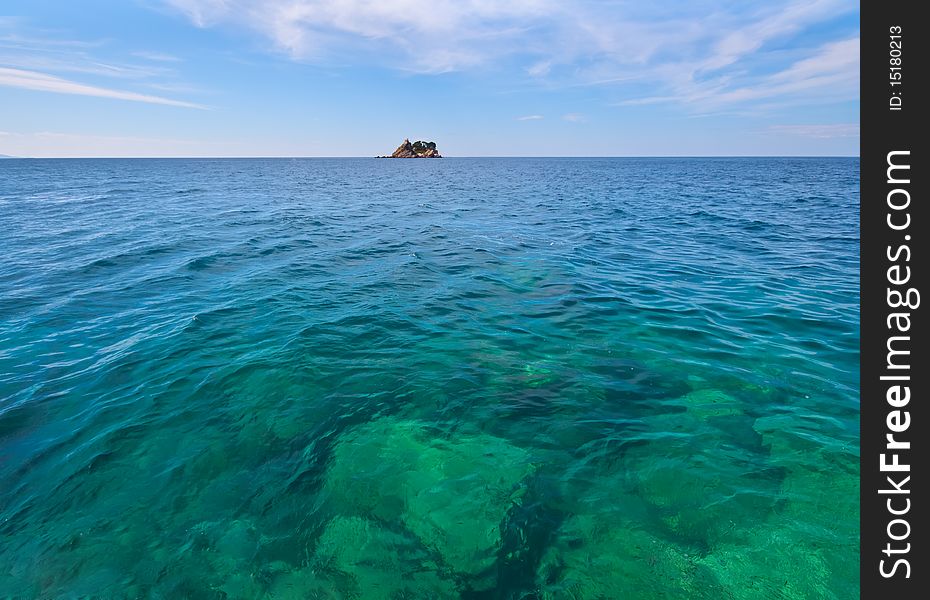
211,368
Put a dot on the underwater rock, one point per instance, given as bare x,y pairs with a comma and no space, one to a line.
540,372
821,481
239,542
366,560
706,403
773,562
601,556
526,535
451,493
691,472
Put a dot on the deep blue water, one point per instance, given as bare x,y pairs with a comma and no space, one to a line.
462,378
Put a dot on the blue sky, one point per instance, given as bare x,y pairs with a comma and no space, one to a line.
480,77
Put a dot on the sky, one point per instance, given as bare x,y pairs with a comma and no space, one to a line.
479,77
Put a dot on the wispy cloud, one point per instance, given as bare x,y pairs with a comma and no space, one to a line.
685,51
78,63
23,47
449,35
540,69
51,61
156,56
832,70
833,130
765,26
36,42
573,117
76,143
530,118
33,80
828,73
55,143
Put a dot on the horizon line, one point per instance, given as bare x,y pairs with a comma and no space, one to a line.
277,156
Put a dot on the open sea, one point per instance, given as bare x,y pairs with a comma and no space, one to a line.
487,378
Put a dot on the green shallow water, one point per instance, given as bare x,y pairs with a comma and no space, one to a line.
466,378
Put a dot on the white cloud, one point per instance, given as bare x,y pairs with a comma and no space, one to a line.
573,117
450,34
832,70
827,73
540,69
53,144
23,47
676,51
833,130
776,22
33,80
75,62
156,56
44,60
442,36
530,118
19,40
65,144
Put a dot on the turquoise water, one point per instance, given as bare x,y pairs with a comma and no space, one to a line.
460,378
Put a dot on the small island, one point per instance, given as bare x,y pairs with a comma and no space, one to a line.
417,149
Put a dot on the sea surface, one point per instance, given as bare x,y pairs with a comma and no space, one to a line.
462,378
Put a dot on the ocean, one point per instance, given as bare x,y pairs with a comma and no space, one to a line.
484,378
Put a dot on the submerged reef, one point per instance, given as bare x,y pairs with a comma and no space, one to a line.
447,494
713,502
413,511
417,512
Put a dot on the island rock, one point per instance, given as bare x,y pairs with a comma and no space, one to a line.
417,149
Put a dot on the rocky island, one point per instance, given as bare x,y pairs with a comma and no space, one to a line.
417,149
